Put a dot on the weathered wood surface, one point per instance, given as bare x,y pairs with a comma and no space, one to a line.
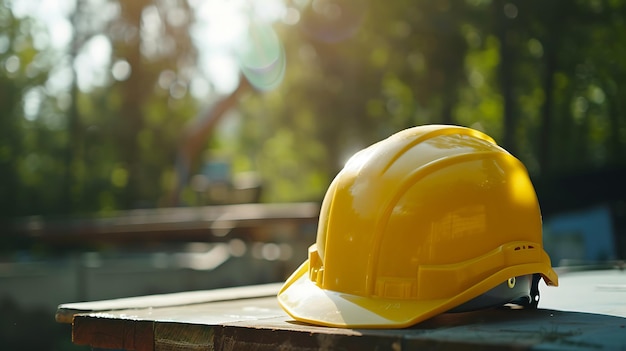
66,312
582,314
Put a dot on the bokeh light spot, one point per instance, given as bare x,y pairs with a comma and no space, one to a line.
510,10
291,16
119,177
12,64
121,70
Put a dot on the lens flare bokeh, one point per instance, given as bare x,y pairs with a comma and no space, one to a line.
262,57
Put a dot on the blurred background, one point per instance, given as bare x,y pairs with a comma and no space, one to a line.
154,146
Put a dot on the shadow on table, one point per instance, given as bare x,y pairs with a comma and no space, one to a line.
501,328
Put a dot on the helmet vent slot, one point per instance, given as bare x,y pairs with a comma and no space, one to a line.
524,247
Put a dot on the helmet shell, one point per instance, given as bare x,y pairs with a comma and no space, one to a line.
415,225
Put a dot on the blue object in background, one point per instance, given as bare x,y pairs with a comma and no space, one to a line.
582,236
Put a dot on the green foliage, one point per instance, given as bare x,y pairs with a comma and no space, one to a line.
544,79
555,104
66,148
23,169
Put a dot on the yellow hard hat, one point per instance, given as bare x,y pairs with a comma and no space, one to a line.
416,225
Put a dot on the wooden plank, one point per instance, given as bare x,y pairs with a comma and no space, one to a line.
222,326
258,323
257,339
168,224
119,334
66,312
175,337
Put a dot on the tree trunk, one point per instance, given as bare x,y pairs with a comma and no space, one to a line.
547,109
506,78
136,90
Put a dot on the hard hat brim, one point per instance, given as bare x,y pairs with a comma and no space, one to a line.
303,300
